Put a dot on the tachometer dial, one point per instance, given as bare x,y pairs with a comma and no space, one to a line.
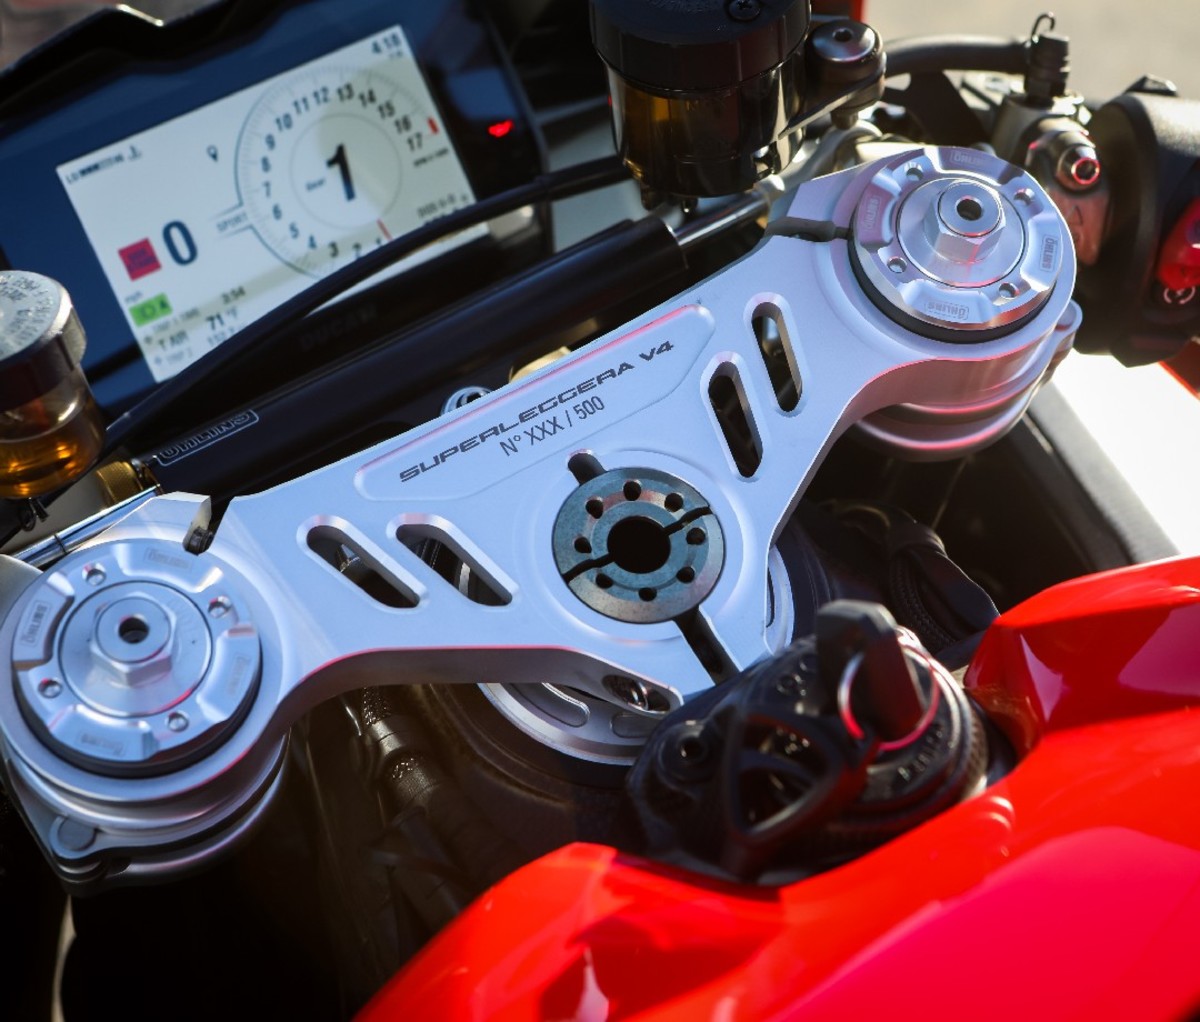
337,160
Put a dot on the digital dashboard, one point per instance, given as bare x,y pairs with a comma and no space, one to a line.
287,180
179,203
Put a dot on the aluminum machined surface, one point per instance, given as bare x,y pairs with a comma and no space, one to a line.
959,240
488,481
136,660
608,730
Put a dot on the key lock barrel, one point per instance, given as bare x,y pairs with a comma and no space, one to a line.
596,509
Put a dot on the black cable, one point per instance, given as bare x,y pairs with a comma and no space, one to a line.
923,54
558,184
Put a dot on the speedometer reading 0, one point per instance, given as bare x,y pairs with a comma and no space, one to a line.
338,160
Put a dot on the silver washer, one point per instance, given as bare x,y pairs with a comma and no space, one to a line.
959,240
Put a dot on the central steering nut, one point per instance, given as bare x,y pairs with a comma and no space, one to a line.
132,638
135,649
965,223
638,545
954,230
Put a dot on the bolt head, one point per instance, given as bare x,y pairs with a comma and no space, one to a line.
965,223
744,10
133,641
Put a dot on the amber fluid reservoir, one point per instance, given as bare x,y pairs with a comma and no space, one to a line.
51,430
703,91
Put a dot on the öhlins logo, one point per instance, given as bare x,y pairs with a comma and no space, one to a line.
206,437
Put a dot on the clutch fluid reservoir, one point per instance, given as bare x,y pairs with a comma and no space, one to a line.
702,90
50,428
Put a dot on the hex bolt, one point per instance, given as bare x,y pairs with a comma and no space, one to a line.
177,722
961,226
631,691
50,687
94,575
219,606
690,755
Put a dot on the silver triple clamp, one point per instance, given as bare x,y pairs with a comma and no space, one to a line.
612,541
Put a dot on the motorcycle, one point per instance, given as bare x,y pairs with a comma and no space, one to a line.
718,613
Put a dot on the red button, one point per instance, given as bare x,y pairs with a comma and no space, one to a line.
1179,260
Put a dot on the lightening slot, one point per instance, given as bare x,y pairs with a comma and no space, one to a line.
732,410
778,355
356,566
451,559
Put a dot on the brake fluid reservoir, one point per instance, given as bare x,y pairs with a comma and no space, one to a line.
702,90
50,427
